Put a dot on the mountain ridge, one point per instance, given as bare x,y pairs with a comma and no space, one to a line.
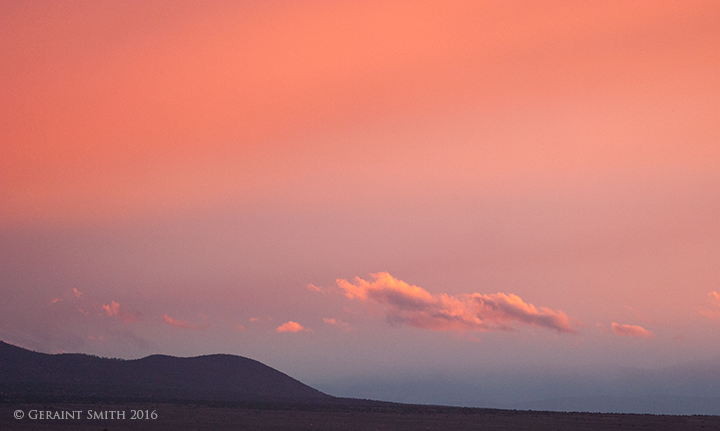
216,377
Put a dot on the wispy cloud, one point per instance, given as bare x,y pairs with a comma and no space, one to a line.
292,327
714,311
407,304
338,323
314,288
631,331
72,293
184,324
76,301
114,309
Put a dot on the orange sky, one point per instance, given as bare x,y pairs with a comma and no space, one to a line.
192,169
124,109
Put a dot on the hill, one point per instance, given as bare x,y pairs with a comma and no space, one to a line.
29,375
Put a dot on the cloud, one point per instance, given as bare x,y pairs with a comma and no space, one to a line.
114,309
714,312
291,327
337,322
631,331
406,304
183,324
314,288
75,300
73,293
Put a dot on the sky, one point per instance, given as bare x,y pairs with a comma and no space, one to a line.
366,191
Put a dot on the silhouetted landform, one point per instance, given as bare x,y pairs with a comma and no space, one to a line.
226,392
27,375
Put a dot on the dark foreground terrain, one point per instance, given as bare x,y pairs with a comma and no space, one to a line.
225,392
349,416
25,374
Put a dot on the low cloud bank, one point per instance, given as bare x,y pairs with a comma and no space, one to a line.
406,304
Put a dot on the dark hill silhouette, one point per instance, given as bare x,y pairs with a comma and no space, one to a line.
27,374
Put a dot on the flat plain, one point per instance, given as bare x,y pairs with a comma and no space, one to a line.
350,416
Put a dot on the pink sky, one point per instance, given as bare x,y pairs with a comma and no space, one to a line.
538,181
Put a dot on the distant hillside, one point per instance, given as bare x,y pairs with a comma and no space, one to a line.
25,374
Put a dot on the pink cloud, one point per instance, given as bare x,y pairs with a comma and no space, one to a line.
239,327
114,309
631,331
407,304
291,327
338,323
73,293
714,311
314,288
183,324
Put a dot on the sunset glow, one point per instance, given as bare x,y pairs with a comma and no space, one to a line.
291,327
412,305
182,323
631,331
430,188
